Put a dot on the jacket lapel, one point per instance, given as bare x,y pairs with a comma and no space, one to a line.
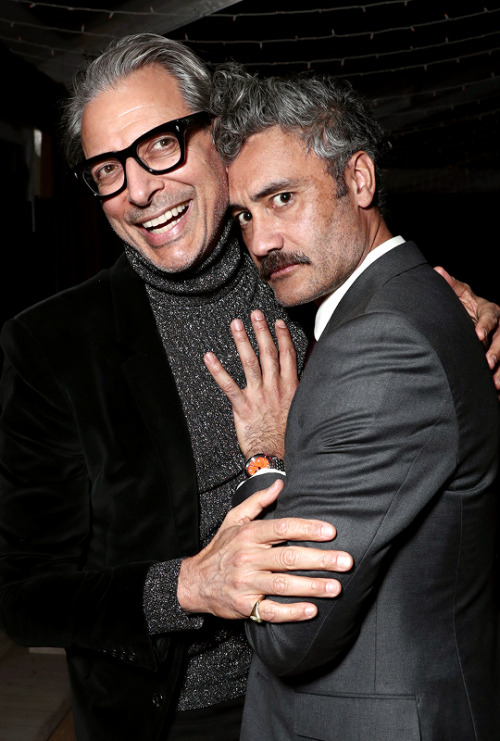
400,259
152,386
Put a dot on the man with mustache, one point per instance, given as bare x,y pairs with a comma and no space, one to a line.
392,435
118,459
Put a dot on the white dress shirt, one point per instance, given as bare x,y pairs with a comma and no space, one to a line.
329,305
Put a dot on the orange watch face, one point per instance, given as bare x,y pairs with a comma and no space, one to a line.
258,462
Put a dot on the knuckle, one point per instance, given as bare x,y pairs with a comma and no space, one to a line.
315,532
279,584
327,561
243,558
227,386
238,583
252,362
281,528
239,561
316,586
288,557
291,613
289,352
238,520
270,351
307,530
269,611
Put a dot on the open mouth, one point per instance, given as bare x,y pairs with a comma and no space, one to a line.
167,220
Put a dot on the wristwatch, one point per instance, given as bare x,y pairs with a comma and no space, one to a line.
261,460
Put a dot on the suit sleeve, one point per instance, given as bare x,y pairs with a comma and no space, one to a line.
372,435
47,596
257,482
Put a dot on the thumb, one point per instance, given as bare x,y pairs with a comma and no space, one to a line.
254,505
444,273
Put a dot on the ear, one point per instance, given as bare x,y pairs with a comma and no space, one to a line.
360,177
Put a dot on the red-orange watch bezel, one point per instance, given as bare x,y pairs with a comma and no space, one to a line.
260,461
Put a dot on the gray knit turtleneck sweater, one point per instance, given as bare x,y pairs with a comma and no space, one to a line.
193,311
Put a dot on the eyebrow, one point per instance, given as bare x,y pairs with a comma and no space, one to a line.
273,187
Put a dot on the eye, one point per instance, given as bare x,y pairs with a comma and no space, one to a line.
105,171
158,151
163,143
243,218
281,199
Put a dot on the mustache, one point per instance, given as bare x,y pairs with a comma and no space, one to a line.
278,260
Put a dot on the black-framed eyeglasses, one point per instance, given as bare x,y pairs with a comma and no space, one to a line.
158,151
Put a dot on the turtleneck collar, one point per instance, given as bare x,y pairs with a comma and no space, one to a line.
208,278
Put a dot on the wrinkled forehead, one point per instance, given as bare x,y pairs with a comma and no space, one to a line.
270,156
118,115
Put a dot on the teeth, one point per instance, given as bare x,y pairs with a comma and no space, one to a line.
164,218
166,227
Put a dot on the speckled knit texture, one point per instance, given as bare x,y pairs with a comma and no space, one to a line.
193,313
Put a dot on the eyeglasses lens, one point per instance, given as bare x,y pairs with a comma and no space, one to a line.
157,153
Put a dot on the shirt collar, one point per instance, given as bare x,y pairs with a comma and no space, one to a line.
329,305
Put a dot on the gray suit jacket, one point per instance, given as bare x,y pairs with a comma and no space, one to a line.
392,436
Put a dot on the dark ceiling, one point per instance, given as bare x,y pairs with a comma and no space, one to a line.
432,66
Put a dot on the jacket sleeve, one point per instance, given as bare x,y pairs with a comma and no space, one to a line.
48,596
373,437
255,483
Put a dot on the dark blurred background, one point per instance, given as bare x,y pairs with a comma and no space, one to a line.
431,67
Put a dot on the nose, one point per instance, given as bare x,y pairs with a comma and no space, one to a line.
265,237
141,184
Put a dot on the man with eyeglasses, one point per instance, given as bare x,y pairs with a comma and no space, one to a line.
119,457
158,151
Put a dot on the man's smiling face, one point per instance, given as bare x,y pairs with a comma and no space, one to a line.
173,219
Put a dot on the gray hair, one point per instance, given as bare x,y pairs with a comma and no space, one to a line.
120,59
331,118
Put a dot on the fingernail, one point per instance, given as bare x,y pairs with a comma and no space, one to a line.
344,561
257,315
332,587
280,323
237,324
310,611
327,531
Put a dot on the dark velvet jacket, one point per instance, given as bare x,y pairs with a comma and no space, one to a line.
97,482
